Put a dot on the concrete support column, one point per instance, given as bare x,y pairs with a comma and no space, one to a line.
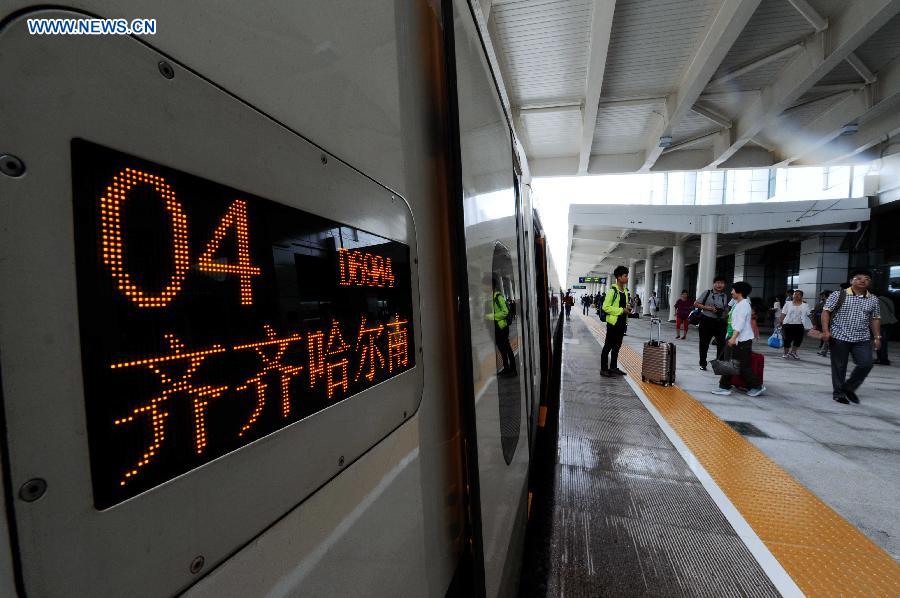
750,267
706,269
632,277
648,281
823,265
677,277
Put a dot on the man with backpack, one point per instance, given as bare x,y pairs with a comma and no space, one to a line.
713,306
851,322
614,311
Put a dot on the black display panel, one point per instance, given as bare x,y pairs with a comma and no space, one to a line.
211,318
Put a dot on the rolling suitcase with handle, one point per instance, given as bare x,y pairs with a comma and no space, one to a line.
658,363
757,364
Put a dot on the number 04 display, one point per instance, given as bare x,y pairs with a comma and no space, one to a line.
113,243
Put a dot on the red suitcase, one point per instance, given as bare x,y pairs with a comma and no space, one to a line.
757,364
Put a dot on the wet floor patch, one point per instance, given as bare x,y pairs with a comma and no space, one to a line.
746,429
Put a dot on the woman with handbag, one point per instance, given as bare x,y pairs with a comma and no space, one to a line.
794,324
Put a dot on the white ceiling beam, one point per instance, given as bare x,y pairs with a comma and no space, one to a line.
875,125
829,126
820,24
647,101
859,20
793,144
721,34
529,111
712,115
601,27
486,6
860,67
689,143
837,87
812,16
615,163
752,66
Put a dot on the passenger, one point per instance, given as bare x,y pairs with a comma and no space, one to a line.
713,305
683,308
617,307
888,320
794,323
499,314
754,319
740,343
756,308
654,305
851,320
554,305
775,311
568,302
585,304
817,321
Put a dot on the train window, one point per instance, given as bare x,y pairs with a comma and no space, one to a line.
211,318
506,334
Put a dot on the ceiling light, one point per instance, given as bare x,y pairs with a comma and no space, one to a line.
665,141
849,129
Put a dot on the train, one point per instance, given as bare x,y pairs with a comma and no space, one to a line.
248,343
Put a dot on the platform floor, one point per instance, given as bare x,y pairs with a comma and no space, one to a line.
630,518
654,494
847,455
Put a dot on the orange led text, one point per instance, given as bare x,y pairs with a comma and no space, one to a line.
361,269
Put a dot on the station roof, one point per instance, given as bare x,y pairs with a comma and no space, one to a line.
614,86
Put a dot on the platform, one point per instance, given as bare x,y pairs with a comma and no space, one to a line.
847,455
655,495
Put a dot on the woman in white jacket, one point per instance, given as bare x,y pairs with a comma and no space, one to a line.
794,323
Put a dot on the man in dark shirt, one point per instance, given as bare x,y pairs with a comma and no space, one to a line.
714,309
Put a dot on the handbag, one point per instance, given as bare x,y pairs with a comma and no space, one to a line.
807,323
726,367
776,340
694,317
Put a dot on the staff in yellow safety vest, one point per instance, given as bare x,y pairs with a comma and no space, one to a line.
616,307
500,315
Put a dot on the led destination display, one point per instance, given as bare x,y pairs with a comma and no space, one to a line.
210,318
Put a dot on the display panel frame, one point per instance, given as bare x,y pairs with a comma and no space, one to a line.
194,347
109,90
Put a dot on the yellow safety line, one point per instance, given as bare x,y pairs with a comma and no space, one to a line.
824,553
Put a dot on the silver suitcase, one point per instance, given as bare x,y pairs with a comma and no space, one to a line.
658,363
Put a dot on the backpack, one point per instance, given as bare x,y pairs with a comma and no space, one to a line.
600,311
694,318
840,303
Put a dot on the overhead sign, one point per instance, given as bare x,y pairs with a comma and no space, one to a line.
211,318
578,286
592,279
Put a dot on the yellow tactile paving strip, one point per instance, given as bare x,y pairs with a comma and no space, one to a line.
824,553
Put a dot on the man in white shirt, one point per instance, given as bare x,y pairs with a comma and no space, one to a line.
741,342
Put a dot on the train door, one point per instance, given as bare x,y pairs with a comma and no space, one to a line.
493,255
